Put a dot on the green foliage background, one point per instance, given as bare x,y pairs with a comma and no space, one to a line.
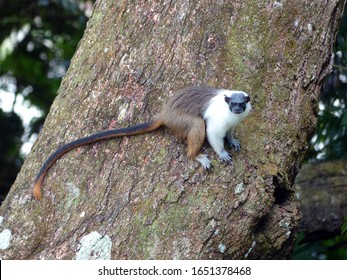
34,67
330,141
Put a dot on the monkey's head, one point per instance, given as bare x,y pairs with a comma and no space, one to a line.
237,102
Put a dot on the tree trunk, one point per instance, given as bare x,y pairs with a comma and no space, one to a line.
141,197
322,191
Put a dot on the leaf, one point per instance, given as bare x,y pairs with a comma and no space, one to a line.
344,119
344,228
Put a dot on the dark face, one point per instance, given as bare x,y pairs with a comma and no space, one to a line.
237,102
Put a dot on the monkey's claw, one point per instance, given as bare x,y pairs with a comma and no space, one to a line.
234,143
225,156
204,161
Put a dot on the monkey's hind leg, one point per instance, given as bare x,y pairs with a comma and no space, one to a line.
195,140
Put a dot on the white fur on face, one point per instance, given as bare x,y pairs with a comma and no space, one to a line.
220,120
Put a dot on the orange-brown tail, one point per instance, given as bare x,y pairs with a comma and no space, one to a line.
133,130
37,193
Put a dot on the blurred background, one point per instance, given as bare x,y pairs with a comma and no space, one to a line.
37,41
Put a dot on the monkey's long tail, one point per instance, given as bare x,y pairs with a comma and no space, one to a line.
133,130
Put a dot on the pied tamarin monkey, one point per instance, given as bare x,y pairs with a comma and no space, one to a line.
191,113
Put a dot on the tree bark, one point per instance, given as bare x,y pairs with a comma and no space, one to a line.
322,191
141,197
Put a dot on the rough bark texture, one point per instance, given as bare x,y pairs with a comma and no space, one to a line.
322,191
141,197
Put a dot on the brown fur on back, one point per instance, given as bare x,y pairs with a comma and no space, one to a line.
191,100
184,109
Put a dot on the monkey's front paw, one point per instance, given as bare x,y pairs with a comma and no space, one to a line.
234,143
225,156
204,161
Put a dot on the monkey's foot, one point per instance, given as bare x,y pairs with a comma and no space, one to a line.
205,162
234,143
225,156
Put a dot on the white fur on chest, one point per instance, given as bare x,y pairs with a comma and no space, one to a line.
219,119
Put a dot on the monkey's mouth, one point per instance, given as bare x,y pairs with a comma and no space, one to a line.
237,112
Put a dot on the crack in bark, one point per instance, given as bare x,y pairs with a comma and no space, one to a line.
209,238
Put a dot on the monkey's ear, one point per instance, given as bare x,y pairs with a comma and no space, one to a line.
247,99
227,99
